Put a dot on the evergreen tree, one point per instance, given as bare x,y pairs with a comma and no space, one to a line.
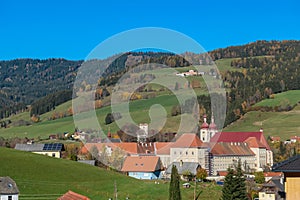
239,184
234,185
228,187
174,189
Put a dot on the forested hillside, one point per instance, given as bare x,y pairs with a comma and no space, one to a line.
261,76
25,80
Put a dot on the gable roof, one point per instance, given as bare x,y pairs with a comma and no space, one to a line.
188,140
239,137
70,195
231,148
141,164
128,147
253,142
290,165
8,186
183,167
162,148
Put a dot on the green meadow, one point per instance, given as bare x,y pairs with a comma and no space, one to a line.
42,177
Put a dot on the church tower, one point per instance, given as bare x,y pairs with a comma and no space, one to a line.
204,131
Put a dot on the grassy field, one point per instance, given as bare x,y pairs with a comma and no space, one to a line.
139,111
42,177
283,124
291,97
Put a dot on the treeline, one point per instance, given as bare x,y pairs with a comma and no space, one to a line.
49,102
258,48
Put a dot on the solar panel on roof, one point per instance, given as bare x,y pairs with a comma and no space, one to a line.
52,147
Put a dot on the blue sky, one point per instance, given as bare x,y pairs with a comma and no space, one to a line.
71,29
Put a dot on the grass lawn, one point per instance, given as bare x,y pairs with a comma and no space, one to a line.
42,177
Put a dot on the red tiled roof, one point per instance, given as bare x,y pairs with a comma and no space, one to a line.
239,137
275,138
141,164
272,174
231,148
128,147
187,140
222,173
163,148
70,195
253,142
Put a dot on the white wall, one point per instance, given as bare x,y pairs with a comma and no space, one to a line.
5,197
55,153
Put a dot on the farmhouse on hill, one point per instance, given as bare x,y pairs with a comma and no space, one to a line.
48,149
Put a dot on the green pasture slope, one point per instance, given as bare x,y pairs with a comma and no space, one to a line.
291,98
42,177
139,111
283,124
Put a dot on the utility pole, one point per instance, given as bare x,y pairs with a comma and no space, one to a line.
116,191
195,188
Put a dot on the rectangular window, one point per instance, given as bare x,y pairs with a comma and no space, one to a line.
9,197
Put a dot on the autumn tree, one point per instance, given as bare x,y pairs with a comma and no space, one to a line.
201,174
259,177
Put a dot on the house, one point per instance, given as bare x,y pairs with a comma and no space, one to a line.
129,148
275,175
189,73
291,171
70,195
142,167
183,168
272,190
275,139
224,155
295,139
8,189
48,149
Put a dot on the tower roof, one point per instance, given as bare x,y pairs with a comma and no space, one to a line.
205,124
